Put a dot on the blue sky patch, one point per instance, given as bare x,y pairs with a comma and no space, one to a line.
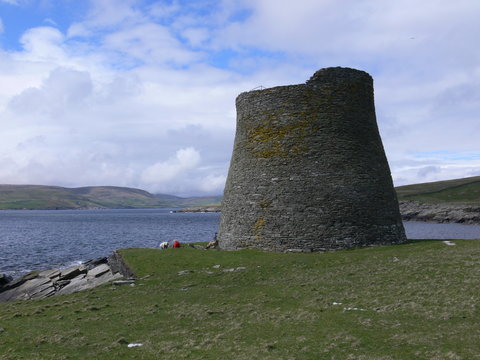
448,155
19,18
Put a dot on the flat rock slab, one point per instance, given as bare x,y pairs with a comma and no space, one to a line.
235,269
25,290
124,282
87,282
19,281
95,262
53,273
71,272
184,272
98,271
43,291
46,283
75,284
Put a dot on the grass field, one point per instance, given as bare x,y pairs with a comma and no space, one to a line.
414,301
457,191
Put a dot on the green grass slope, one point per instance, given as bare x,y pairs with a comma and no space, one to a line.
41,197
56,197
119,197
201,201
459,191
413,301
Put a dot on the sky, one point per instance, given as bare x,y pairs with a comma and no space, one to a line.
141,93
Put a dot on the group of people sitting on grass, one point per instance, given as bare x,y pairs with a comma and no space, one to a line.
166,244
176,244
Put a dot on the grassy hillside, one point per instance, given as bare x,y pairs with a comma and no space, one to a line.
55,197
41,197
200,201
459,191
179,202
413,301
119,197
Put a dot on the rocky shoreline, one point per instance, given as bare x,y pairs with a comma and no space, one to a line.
410,211
198,209
52,282
440,213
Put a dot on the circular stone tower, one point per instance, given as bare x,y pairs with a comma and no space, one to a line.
308,169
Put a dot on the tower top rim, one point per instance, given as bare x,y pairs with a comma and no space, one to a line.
337,73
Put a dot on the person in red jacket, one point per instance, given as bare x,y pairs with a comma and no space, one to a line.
176,244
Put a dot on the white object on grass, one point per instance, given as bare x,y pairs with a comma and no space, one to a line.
449,243
134,345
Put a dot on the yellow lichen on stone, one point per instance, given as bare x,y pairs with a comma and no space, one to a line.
279,140
258,227
264,204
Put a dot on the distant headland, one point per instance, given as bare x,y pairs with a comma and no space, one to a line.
40,197
449,201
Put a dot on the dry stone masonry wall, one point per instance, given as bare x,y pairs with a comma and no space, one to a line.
308,169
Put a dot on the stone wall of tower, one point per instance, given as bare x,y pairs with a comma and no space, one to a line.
308,169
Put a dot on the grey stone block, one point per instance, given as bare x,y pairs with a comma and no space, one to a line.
98,270
72,272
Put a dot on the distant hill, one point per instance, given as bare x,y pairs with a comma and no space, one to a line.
196,201
92,197
465,191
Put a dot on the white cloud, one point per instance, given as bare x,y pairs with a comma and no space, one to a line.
213,184
196,36
320,27
106,15
43,44
112,13
162,10
164,174
50,22
65,90
130,84
141,113
150,43
418,171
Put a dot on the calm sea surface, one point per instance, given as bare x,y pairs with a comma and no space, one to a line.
40,239
44,239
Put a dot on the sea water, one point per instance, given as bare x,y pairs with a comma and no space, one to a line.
424,230
42,239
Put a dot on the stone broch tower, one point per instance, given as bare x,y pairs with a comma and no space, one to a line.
308,169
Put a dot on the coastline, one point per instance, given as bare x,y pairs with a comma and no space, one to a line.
40,284
410,211
439,213
199,209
